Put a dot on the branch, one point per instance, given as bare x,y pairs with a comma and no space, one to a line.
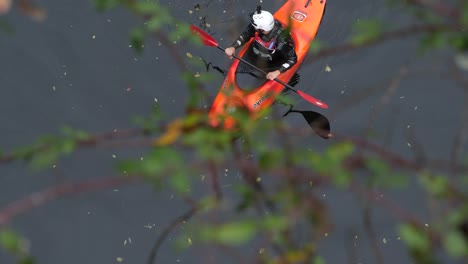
33,200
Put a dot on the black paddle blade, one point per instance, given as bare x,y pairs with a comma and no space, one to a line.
318,122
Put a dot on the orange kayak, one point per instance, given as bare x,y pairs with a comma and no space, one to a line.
304,18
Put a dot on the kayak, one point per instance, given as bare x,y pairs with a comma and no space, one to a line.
303,17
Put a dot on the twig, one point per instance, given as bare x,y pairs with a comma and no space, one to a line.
370,231
214,177
166,231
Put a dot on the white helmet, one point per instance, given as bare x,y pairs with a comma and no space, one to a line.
263,20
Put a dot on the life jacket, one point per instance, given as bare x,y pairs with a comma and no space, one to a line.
268,46
265,48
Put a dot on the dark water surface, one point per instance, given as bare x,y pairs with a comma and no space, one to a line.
77,69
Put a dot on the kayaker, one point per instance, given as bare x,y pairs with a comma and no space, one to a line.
273,48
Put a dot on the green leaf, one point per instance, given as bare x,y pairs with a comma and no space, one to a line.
6,27
44,159
271,159
180,182
414,237
365,30
456,244
316,46
157,162
432,40
318,260
104,5
74,134
383,175
209,144
235,233
435,185
338,152
150,123
10,241
333,163
274,223
26,260
146,8
137,39
154,24
459,42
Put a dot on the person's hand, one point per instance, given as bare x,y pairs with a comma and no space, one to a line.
230,51
273,75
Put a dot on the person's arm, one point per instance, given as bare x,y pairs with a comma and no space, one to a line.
241,40
248,33
287,48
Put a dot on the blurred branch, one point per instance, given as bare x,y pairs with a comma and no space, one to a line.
36,199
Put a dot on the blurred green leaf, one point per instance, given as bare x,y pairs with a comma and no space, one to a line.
208,143
271,159
6,27
435,184
247,197
234,233
150,124
155,165
274,223
383,175
146,7
26,260
10,241
104,5
318,260
433,40
154,24
331,163
180,182
456,244
137,39
459,42
414,237
74,133
208,203
44,159
366,30
316,46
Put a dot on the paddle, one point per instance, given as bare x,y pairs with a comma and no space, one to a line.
210,41
316,121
